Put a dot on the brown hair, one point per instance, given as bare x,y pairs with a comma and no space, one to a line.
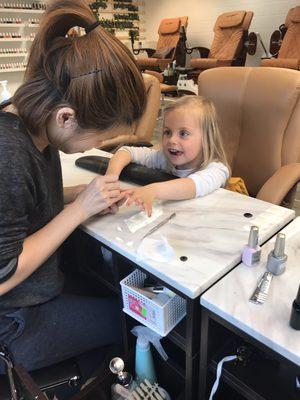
204,109
95,74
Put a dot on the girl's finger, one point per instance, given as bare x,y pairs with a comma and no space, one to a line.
114,193
148,206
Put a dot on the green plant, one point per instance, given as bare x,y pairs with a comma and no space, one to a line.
127,17
119,21
128,7
95,7
135,33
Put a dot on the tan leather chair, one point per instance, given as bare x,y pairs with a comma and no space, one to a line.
141,134
164,88
170,46
228,47
285,43
259,117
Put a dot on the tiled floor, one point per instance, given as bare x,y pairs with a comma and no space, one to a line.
157,137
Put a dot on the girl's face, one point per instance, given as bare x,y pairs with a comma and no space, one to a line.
182,139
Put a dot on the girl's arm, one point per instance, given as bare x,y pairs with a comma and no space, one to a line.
198,184
118,161
177,189
100,194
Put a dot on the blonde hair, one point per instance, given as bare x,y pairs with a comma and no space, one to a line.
204,109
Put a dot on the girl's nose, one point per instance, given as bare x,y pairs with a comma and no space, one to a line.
173,139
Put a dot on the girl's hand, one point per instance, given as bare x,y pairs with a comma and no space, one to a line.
142,197
103,192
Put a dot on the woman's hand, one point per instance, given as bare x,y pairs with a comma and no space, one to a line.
142,197
71,192
100,196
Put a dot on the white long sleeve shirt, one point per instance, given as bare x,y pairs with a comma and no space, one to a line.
206,180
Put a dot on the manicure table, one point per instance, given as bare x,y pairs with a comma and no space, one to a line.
270,349
207,236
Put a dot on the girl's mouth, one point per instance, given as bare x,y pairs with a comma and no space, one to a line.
175,153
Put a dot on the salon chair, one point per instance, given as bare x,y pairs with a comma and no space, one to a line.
259,118
165,89
141,133
170,46
18,384
285,43
229,46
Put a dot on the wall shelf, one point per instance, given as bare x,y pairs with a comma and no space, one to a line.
12,70
20,10
16,39
22,25
13,55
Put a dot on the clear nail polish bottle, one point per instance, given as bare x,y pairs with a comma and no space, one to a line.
251,252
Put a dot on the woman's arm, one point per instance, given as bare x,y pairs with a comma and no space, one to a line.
118,161
71,192
100,194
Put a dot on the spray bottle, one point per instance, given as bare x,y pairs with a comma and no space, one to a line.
5,95
144,366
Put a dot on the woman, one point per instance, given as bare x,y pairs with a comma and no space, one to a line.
77,93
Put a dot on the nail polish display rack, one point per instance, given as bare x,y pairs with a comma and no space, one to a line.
18,23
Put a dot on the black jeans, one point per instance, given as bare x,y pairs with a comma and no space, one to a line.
59,329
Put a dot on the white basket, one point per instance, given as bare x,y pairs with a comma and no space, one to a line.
161,319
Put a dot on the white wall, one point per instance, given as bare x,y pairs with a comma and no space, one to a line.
268,16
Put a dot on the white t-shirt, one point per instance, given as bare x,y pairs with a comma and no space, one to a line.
206,180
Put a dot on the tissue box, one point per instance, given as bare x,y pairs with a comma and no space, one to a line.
161,319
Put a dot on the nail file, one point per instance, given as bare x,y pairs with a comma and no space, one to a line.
163,222
261,292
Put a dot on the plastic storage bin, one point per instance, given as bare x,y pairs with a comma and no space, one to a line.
161,319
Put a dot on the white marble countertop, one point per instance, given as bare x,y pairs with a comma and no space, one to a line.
268,322
209,231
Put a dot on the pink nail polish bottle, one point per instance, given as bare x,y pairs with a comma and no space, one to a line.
251,252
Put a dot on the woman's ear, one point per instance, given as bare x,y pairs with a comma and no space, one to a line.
65,118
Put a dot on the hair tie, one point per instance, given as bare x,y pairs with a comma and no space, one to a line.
91,27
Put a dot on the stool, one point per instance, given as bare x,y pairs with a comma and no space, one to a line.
18,384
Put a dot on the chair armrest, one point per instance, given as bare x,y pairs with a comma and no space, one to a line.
279,184
203,51
158,75
149,51
113,149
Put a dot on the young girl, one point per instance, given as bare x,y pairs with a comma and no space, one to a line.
77,93
191,149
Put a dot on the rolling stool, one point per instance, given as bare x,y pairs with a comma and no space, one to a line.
17,384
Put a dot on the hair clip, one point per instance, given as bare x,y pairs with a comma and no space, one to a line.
91,27
95,71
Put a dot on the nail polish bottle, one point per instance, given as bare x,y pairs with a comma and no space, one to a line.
295,315
276,258
251,252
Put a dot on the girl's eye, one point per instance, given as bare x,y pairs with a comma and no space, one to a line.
167,133
184,133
